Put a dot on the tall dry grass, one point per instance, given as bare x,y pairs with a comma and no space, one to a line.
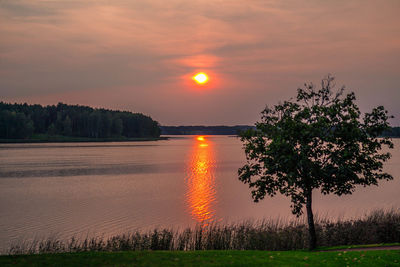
376,227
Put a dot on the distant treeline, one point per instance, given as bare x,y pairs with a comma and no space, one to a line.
22,121
233,130
393,132
211,130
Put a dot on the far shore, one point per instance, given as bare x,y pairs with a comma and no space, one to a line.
65,139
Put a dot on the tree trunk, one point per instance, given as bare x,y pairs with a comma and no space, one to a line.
312,243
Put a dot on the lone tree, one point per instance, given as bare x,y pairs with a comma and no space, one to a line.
316,142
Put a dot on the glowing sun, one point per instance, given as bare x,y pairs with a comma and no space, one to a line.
200,78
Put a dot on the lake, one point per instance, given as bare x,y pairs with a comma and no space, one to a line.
79,189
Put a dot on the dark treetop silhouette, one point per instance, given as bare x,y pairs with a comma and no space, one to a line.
315,142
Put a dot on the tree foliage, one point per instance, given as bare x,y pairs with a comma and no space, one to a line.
317,141
23,120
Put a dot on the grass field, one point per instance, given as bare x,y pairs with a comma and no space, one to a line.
208,258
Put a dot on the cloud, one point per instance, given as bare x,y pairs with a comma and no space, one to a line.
140,54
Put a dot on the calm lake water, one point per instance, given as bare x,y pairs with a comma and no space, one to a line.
79,189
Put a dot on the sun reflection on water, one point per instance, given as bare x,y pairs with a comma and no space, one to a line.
201,194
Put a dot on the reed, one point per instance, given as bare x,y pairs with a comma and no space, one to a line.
376,227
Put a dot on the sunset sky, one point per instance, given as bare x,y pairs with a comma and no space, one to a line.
140,55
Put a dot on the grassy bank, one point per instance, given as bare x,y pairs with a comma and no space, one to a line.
208,258
64,139
377,227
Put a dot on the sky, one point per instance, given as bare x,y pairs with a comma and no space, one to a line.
140,55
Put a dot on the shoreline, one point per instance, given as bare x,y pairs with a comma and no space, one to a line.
80,140
63,139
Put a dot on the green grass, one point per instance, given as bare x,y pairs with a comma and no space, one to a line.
208,258
359,246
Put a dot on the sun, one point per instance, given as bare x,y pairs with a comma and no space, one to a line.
200,78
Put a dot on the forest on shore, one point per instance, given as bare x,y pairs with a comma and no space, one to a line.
207,130
392,132
64,122
23,121
234,130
